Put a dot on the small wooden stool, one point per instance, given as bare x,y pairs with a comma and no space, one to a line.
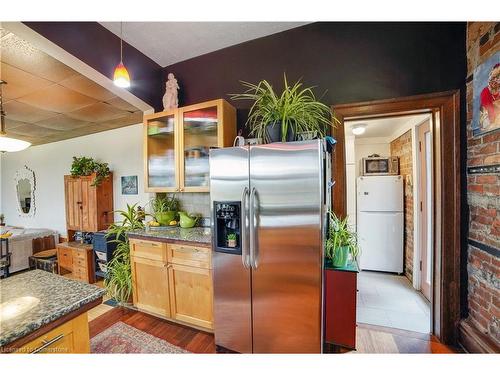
44,260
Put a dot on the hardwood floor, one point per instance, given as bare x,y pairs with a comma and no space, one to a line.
378,339
184,337
370,339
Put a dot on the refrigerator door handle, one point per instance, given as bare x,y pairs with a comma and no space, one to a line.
244,229
254,220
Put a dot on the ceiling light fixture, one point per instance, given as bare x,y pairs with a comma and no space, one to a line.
8,144
358,129
121,78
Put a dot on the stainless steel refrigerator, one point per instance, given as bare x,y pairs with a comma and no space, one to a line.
273,200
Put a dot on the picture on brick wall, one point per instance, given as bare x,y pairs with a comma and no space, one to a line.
486,96
129,185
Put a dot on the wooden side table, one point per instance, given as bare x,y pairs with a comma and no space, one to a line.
77,258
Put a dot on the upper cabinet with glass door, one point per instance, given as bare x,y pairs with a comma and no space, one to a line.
160,160
197,128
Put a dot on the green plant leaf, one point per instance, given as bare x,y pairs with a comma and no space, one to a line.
295,107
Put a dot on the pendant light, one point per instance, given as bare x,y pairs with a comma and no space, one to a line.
121,77
8,144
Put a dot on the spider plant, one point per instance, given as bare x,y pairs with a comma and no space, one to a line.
118,281
163,204
341,241
296,109
164,208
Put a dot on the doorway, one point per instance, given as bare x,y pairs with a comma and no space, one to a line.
445,128
382,208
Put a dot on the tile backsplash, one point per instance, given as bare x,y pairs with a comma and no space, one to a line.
195,203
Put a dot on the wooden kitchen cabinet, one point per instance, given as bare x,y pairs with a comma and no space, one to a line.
88,208
69,338
150,286
173,281
191,295
177,142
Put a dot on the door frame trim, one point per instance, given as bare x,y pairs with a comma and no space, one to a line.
445,106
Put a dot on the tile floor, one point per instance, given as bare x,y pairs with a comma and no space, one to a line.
390,301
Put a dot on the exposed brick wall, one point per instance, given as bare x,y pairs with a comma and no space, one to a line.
402,147
483,196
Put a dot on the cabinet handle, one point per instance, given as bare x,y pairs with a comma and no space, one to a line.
186,250
181,189
47,343
152,244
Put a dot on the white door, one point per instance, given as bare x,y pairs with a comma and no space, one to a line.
380,237
425,214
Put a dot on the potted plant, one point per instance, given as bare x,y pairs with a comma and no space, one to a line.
118,280
84,166
341,244
165,208
2,218
231,240
280,117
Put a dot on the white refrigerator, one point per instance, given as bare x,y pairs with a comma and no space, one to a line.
380,223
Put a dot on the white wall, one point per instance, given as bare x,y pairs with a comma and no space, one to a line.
122,148
356,149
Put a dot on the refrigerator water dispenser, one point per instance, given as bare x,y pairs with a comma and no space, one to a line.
227,227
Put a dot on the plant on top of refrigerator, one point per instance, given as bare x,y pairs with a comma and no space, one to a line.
278,117
341,241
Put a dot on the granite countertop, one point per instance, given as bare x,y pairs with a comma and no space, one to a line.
196,234
33,299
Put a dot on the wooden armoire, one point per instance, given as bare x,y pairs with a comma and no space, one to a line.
88,208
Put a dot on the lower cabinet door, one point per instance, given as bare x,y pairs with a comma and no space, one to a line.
191,295
150,286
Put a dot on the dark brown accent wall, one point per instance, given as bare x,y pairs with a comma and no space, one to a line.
100,48
352,61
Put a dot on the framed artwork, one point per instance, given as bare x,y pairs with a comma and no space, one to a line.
129,185
486,96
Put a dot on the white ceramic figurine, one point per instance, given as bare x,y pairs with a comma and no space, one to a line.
170,99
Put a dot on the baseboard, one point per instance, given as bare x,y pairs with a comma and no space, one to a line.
474,341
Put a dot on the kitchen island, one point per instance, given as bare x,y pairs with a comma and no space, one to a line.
172,274
41,312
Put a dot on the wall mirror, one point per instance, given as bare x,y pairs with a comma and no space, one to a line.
25,191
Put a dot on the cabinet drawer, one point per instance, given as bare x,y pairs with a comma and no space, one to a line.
195,256
58,340
69,337
78,254
80,273
148,249
65,257
79,263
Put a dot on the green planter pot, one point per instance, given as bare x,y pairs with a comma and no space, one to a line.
187,221
341,257
164,218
